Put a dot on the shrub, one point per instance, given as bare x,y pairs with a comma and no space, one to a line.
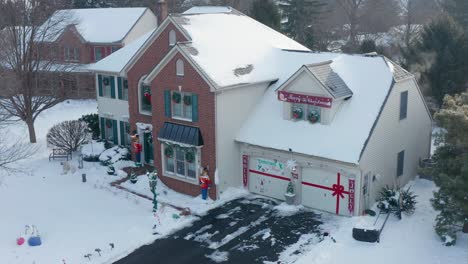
92,121
397,200
68,135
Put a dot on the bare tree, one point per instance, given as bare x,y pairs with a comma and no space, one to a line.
68,135
415,13
27,55
352,10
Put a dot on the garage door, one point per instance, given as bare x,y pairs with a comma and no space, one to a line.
267,177
327,190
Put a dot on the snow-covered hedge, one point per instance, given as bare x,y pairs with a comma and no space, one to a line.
92,151
114,154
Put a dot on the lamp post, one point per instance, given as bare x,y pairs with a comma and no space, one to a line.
153,181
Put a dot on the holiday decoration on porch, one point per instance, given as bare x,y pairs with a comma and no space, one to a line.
313,116
190,156
168,151
290,194
176,97
297,113
111,170
153,181
205,183
133,177
108,123
147,95
187,100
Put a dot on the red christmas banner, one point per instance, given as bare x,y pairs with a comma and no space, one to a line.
351,196
325,102
245,169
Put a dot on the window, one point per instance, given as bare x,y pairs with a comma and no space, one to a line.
125,138
109,130
71,54
98,53
125,89
180,67
180,161
403,105
145,98
114,49
400,163
172,38
107,86
306,112
182,105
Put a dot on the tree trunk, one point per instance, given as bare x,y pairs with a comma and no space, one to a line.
32,131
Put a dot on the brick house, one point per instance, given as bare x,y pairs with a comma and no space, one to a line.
89,35
214,88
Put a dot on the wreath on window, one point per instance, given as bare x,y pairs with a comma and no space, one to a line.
169,152
106,81
176,97
189,156
108,123
297,113
313,116
125,84
147,95
187,99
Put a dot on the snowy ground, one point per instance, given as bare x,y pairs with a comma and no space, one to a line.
410,240
75,218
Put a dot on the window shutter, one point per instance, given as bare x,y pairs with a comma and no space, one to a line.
122,133
403,105
116,135
400,163
100,84
112,84
119,88
103,128
167,103
195,107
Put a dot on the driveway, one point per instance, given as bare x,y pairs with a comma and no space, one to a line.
247,230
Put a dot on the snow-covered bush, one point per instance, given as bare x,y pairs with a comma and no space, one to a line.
397,200
114,154
92,150
68,135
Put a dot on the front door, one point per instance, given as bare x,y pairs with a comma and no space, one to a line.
148,147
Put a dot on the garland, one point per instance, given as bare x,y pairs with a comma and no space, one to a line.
169,152
108,123
187,99
105,81
189,156
297,113
313,117
176,97
147,95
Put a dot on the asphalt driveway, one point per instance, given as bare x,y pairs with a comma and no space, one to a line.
247,230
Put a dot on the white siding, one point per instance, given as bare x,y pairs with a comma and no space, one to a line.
147,22
392,135
232,109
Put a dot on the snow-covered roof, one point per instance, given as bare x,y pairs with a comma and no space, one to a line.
96,25
370,79
117,60
330,80
246,46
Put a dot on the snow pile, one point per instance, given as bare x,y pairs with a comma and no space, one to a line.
92,150
285,209
218,256
114,154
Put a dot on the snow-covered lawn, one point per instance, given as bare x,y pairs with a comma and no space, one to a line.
75,218
410,240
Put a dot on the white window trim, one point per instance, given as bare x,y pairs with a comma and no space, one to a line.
141,111
176,176
180,67
172,38
182,94
110,87
123,89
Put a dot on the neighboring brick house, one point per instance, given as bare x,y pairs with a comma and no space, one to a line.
214,88
89,35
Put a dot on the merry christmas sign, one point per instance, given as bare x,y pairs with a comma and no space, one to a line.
320,101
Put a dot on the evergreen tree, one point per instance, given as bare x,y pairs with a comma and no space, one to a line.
450,171
458,9
300,18
368,46
91,3
266,12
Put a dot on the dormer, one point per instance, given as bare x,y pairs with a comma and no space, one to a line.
313,94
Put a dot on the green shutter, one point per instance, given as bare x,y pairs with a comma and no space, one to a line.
119,88
100,84
103,128
195,107
167,103
122,133
116,135
112,83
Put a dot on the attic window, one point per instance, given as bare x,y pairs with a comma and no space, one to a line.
180,67
172,38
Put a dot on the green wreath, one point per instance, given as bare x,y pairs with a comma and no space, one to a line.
176,97
187,99
108,123
297,113
169,152
189,156
105,81
313,117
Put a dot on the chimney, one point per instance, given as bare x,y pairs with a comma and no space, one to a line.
161,11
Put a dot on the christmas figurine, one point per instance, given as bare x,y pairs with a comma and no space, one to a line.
137,148
205,183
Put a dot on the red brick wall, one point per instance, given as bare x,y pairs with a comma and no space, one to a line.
191,82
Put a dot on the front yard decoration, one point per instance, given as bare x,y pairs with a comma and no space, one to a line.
133,177
153,181
35,239
290,194
297,113
111,170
